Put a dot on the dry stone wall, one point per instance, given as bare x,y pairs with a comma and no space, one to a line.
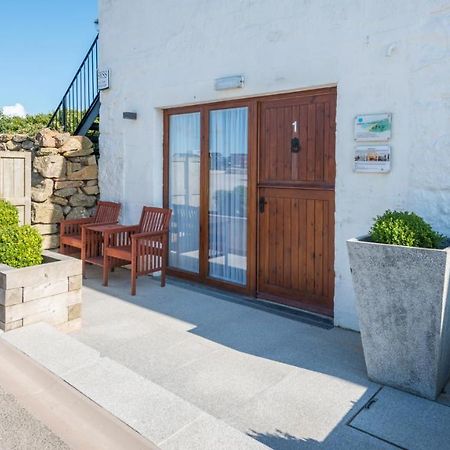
64,179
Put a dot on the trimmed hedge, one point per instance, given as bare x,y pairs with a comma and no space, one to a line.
8,214
405,228
20,246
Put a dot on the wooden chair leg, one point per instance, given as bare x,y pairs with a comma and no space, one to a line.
163,277
106,264
61,248
133,279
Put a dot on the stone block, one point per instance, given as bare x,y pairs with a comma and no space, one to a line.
81,199
75,282
61,184
11,296
86,173
13,146
51,166
42,191
54,314
404,320
59,200
91,182
61,139
50,228
11,325
46,138
79,212
50,270
65,192
75,311
91,190
46,289
41,306
27,144
46,212
77,146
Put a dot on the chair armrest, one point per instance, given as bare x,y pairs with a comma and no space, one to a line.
98,224
122,229
72,226
77,221
137,236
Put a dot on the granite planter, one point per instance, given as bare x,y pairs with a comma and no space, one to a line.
402,302
49,292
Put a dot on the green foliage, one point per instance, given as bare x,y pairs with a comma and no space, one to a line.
404,228
20,246
29,125
8,214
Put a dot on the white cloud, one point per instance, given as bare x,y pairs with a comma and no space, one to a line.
14,110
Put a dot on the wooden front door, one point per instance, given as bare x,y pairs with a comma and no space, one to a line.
296,200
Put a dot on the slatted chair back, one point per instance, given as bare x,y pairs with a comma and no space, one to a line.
154,219
107,212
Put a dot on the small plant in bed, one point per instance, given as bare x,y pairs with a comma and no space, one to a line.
405,228
20,246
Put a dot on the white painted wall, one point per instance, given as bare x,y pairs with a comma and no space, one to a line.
383,55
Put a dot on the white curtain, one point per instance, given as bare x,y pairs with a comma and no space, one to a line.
228,147
184,191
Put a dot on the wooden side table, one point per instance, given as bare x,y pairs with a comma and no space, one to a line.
94,243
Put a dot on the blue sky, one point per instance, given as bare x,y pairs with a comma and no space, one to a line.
42,43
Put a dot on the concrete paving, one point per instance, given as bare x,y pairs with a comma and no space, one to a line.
189,369
283,382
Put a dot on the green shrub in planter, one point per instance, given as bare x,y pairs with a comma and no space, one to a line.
20,246
405,228
8,214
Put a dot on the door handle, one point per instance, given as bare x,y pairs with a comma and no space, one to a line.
262,203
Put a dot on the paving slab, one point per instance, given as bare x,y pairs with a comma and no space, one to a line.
54,350
406,420
209,433
149,409
307,406
224,380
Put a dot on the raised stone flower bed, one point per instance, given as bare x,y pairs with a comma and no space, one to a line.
49,292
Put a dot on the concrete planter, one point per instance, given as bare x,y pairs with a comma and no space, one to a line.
402,301
49,292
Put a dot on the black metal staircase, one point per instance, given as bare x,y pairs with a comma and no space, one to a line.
78,111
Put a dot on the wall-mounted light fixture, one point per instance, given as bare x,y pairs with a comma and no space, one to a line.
129,115
232,82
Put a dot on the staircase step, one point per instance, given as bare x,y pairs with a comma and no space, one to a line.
156,413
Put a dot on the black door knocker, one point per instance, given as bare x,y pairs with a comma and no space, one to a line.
295,145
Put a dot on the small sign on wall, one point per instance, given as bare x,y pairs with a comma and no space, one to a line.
103,79
372,159
373,127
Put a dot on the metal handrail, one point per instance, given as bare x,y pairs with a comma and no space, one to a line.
81,94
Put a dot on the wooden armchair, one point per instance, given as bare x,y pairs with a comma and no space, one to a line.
144,246
70,232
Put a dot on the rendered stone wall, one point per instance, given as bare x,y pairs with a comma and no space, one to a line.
49,292
64,179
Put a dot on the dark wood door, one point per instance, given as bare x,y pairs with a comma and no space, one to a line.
296,200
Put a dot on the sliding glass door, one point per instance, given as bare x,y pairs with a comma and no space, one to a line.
228,151
206,181
184,191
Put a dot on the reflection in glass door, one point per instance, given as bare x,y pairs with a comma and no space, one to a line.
184,191
228,156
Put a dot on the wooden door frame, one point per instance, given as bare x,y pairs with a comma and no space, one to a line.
254,128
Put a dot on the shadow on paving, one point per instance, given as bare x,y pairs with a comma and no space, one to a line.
334,352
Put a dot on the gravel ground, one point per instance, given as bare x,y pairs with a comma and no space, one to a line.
19,430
